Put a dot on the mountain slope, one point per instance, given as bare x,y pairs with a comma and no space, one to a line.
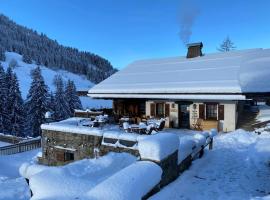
42,50
23,70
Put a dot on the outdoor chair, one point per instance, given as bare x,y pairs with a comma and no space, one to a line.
95,124
161,126
149,129
126,127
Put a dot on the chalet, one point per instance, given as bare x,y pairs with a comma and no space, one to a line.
208,91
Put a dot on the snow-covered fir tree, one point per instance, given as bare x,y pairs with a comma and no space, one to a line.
52,103
3,94
15,108
8,101
72,98
2,53
27,57
62,110
226,45
37,102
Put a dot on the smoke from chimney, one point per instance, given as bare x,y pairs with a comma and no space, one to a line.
188,13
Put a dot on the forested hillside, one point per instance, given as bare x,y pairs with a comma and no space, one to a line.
38,48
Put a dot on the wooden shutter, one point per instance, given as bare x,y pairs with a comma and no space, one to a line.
60,156
201,111
221,112
167,110
152,109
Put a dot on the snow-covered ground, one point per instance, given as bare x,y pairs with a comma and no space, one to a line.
237,168
23,72
264,113
2,144
12,185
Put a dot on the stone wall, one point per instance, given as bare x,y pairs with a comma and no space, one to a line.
56,143
104,149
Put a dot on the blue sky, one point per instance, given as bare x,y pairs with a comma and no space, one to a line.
126,30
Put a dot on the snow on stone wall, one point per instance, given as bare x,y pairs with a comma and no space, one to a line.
132,182
159,146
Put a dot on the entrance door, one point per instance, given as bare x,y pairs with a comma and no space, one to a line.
183,117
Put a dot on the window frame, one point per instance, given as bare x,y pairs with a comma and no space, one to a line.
211,111
158,106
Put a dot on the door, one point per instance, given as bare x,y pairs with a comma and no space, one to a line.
183,113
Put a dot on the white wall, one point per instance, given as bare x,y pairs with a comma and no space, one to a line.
230,115
173,112
226,125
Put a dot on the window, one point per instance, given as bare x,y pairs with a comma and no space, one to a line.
160,109
142,108
152,109
211,111
69,156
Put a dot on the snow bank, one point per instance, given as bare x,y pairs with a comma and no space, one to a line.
186,147
27,170
133,182
74,180
159,146
200,139
264,113
213,132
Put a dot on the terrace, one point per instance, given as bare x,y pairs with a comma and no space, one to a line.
78,138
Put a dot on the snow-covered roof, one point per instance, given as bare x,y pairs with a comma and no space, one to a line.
231,73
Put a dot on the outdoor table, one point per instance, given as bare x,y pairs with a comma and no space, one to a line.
137,128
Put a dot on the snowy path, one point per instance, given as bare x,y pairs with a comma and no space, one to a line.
12,185
236,169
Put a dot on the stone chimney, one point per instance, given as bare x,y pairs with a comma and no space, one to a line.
194,50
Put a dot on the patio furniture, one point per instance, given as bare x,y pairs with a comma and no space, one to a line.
161,126
138,128
126,119
126,127
149,129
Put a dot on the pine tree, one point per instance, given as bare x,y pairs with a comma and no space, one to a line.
52,105
3,94
72,98
36,103
15,107
226,45
62,110
2,53
8,103
27,58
